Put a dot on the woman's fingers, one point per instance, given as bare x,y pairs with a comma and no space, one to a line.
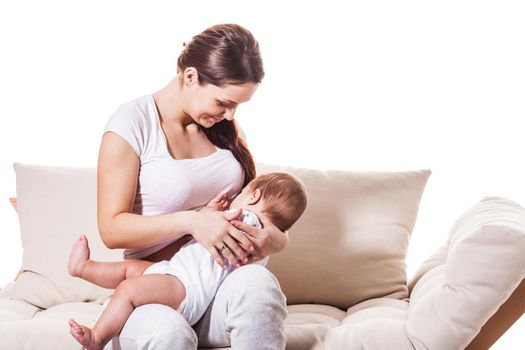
227,252
267,240
253,235
235,248
215,253
243,240
222,239
232,214
250,230
240,245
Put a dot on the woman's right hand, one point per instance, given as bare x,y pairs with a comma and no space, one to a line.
214,231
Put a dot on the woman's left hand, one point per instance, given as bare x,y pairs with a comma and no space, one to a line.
268,240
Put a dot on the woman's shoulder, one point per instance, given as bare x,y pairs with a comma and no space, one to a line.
139,107
134,121
138,112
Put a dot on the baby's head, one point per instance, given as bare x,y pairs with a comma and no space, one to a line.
279,196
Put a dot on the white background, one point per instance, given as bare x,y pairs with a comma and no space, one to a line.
371,85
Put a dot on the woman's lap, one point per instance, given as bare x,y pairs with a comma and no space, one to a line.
247,312
152,326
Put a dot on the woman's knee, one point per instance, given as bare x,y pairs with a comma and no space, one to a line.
253,282
249,290
156,326
253,275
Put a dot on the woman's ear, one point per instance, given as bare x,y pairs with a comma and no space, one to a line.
190,76
255,196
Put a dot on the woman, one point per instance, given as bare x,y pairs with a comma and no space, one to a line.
165,155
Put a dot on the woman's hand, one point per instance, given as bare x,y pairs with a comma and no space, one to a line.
267,240
214,231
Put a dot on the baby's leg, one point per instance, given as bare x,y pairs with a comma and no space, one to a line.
131,293
103,274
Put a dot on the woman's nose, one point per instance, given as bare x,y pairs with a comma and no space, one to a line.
229,113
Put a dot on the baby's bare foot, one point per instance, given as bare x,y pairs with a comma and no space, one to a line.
84,336
78,257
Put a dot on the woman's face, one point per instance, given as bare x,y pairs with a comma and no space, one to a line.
209,104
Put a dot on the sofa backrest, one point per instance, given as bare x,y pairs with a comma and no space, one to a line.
55,205
350,245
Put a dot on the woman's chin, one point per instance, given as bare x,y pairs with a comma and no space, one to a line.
211,122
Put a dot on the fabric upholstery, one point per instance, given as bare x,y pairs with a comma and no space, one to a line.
29,327
353,219
353,236
454,292
55,205
485,263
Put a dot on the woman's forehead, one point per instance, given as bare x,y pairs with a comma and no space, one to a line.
236,93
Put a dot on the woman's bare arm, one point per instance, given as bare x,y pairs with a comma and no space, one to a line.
117,176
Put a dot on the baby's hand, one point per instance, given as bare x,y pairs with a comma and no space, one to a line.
219,203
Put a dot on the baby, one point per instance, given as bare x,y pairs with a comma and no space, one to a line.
188,282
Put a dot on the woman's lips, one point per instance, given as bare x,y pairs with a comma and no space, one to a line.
216,119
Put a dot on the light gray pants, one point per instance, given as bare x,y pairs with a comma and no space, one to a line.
247,313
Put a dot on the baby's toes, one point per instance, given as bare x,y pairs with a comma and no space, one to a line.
76,328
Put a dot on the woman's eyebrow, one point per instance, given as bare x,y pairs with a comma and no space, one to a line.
230,102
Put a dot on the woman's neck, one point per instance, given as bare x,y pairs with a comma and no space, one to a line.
169,105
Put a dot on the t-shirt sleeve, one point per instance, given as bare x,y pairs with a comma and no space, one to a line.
129,124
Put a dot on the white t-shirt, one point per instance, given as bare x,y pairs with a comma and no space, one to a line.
165,184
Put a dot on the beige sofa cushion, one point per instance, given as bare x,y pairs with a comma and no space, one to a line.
27,327
350,244
376,324
55,205
454,293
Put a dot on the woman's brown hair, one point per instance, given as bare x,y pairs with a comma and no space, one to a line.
226,54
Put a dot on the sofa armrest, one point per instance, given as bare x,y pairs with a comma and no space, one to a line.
500,322
483,268
13,203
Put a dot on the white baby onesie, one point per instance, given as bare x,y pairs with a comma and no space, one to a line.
194,266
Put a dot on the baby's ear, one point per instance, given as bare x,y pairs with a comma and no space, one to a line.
255,196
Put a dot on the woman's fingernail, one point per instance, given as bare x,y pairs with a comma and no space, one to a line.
252,249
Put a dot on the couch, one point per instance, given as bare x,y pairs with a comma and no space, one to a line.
343,274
